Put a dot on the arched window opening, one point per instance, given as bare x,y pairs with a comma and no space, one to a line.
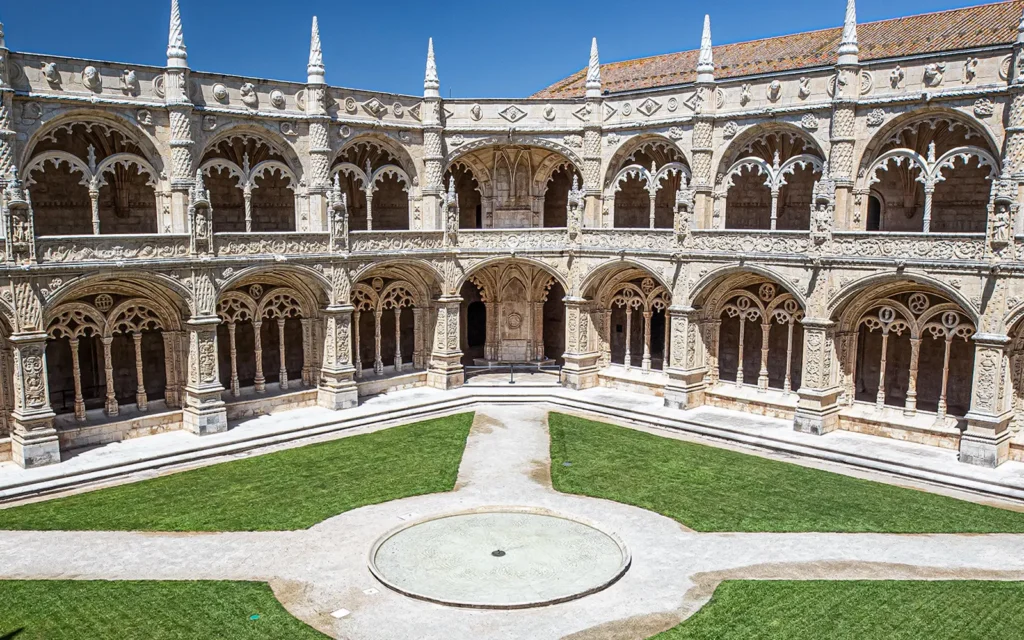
90,178
874,221
760,338
377,187
769,186
252,188
645,186
934,175
467,189
389,325
914,351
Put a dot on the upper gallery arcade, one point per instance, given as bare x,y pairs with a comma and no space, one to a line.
827,235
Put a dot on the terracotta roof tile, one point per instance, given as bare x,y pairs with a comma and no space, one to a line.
985,25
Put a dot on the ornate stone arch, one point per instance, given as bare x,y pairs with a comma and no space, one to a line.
282,302
595,284
393,148
235,306
146,142
631,146
839,304
731,277
468,274
517,140
736,149
169,296
313,286
273,139
134,315
75,320
870,151
422,275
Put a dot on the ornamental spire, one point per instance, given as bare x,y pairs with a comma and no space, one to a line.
1020,31
3,44
315,70
848,48
431,84
177,56
594,72
706,61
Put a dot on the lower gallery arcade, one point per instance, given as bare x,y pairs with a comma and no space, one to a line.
895,359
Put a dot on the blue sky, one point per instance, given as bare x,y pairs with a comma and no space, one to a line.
484,49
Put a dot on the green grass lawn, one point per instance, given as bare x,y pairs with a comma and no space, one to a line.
285,490
71,610
710,489
858,610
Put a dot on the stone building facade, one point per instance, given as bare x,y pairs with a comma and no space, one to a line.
828,236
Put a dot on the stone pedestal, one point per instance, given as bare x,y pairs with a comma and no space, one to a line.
817,410
687,370
581,359
986,442
204,412
33,439
337,388
445,370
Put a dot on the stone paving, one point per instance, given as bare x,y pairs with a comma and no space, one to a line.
324,569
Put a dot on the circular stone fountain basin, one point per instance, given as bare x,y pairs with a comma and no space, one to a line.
499,559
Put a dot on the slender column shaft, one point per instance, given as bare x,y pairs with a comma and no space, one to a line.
627,361
664,350
787,385
910,407
654,198
356,349
235,388
945,378
248,209
141,399
646,362
76,372
775,209
108,369
378,363
606,339
283,373
260,382
739,356
880,396
94,199
398,339
714,372
762,375
369,209
927,222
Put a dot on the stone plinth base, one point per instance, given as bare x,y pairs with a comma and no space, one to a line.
817,411
205,421
685,389
337,398
35,449
983,450
580,372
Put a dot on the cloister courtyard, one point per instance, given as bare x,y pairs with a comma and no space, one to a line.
505,516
